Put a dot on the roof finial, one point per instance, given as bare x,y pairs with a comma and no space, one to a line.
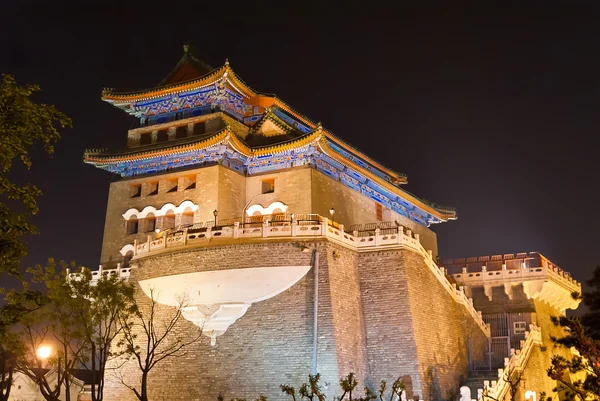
319,126
186,47
227,62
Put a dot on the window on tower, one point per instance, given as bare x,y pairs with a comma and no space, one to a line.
268,185
136,191
172,185
152,188
145,139
190,182
132,225
150,223
199,128
162,136
181,132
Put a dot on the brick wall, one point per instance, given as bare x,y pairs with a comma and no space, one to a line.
390,335
373,321
270,345
119,201
354,208
442,330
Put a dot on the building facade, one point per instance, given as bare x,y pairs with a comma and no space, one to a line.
297,252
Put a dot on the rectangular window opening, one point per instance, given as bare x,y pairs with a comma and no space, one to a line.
268,186
199,128
150,224
136,191
172,185
153,190
520,327
132,227
181,132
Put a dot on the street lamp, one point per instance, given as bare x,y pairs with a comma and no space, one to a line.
215,213
43,352
332,212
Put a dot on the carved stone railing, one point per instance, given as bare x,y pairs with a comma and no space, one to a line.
397,237
498,389
547,283
122,272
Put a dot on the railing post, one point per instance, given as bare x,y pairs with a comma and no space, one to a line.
341,228
294,227
148,242
208,233
324,226
135,245
185,237
377,237
236,227
265,226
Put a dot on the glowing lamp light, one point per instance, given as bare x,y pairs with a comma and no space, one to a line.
44,352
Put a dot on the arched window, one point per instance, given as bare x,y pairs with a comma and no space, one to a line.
127,258
132,225
145,139
169,220
187,217
150,222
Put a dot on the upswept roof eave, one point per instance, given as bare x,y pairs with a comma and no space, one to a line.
281,104
225,71
231,138
441,214
214,139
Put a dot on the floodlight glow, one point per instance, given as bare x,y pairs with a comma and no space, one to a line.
44,352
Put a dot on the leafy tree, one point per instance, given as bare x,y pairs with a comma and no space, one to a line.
591,320
21,304
584,362
74,312
55,322
582,337
150,337
23,123
109,299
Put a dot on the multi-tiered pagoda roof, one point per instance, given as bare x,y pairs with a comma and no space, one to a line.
255,133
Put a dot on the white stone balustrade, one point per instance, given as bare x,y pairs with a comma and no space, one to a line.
121,272
398,239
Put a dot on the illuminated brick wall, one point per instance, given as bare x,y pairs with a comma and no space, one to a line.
381,315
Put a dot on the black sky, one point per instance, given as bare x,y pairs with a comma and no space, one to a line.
492,111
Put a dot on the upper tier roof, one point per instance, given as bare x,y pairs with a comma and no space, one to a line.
189,67
276,136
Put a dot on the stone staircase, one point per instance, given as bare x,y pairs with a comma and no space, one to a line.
495,381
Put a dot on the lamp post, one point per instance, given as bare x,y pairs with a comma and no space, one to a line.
215,213
292,218
332,212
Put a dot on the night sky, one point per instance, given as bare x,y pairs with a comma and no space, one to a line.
494,115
